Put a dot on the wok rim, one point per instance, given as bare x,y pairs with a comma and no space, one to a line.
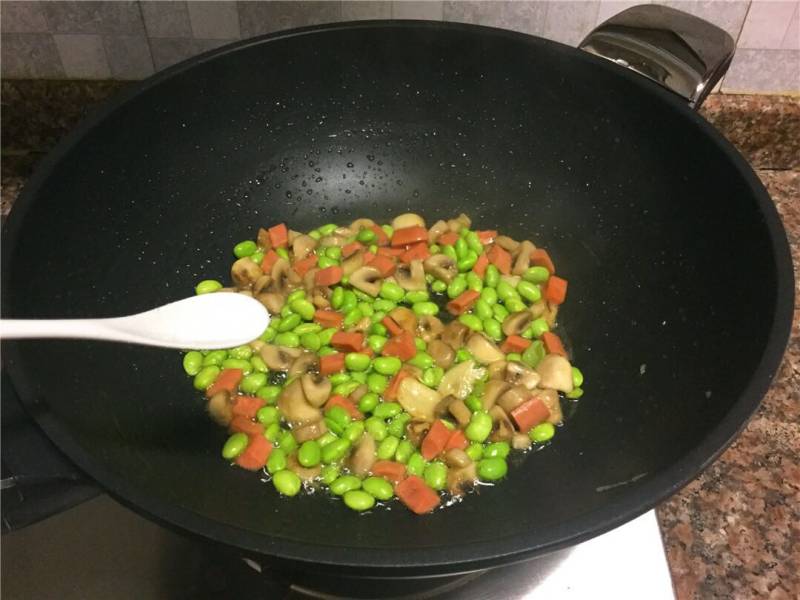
637,498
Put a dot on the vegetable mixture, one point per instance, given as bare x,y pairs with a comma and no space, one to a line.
401,360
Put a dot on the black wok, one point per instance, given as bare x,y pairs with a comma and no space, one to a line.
680,276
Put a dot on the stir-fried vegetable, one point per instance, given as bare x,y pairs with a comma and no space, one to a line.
401,360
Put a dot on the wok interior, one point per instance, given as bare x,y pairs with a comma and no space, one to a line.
672,277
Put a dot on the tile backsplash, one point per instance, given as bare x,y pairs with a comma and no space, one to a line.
131,40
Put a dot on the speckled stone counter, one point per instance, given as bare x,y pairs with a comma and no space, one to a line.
734,532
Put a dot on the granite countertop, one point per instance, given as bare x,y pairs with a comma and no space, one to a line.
734,532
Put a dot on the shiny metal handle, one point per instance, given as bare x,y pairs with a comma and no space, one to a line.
683,53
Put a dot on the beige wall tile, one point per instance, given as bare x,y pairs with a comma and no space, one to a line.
214,20
358,10
22,17
94,17
569,22
30,55
128,56
256,18
427,10
726,14
82,55
763,71
527,17
166,19
609,8
766,24
791,41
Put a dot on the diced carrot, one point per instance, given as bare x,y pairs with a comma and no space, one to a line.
301,267
388,251
500,259
486,236
402,346
347,342
447,239
279,235
329,318
394,384
367,258
245,425
458,305
349,249
435,441
329,275
269,260
409,235
457,440
555,290
227,381
481,264
346,404
514,343
530,413
256,454
381,239
389,469
540,258
331,363
392,326
384,264
417,251
552,343
247,406
416,495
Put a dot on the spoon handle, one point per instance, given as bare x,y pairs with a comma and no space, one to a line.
94,329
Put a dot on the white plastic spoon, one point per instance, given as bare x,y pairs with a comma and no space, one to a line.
206,322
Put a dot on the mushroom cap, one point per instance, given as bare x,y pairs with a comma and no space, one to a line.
516,323
520,374
556,373
245,272
294,406
483,349
417,399
279,358
441,266
407,220
316,388
441,353
366,279
460,379
411,276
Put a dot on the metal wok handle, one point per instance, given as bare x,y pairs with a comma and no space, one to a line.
683,53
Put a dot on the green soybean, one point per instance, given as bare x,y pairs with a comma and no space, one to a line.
387,365
353,432
241,352
257,257
475,452
457,287
387,410
334,252
304,328
435,475
323,262
205,377
536,275
327,229
415,296
215,357
349,303
358,500
289,322
533,354
461,247
529,291
438,286
304,308
337,297
326,438
376,427
471,321
287,339
479,428
515,305
514,356
500,312
404,451
344,484
269,392
345,389
366,236
250,384
421,344
388,230
285,312
425,309
235,445
268,335
449,252
366,309
397,426
416,464
483,309
538,327
286,482
391,291
272,432
492,276
287,442
267,415
473,403
335,450
309,453
376,382
498,449
474,282
474,242
467,262
423,360
235,363
338,415
493,329
356,361
505,290
378,488
325,336
295,295
432,377
310,341
376,342
329,474
577,377
258,364
368,402
383,305
492,469
542,432
192,362
276,461
575,393
207,286
463,354
353,317
387,448
489,295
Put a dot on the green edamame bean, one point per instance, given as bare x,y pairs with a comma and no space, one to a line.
492,276
344,484
492,469
483,309
235,445
345,389
378,488
326,438
471,321
205,377
329,474
333,252
416,296
479,428
305,328
287,339
310,341
425,308
356,361
533,354
276,461
366,236
315,235
461,248
207,286
383,305
358,500
423,360
335,450
536,275
387,365
272,432
515,305
309,453
538,327
368,402
391,291
475,452
250,384
473,403
575,393
377,317
285,312
366,309
349,303
397,426
438,286
354,431
376,382
295,295
327,229
258,364
498,449
241,352
489,295
529,291
215,357
323,262
449,252
421,344
192,362
338,415
500,312
359,376
352,317
542,432
267,415
432,377
337,297
269,392
257,257
376,428
416,464
474,282
493,329
387,448
505,290
457,286
325,336
434,249
462,355
290,322
304,308
286,482
338,378
268,335
376,342
474,242
435,475
577,377
387,410
469,260
404,451
287,442
513,356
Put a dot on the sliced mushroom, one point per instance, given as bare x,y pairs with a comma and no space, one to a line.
537,308
460,412
553,404
454,334
263,240
257,345
460,379
360,326
304,473
492,390
513,397
310,280
339,237
273,302
459,480
406,318
416,431
367,279
512,280
497,369
503,427
411,277
519,374
520,441
302,245
279,358
360,224
408,220
316,388
358,393
363,456
307,362
506,243
319,300
459,223
483,350
441,408
245,272
280,277
220,408
417,399
352,263
556,373
294,406
550,313
436,230
516,323
456,457
310,431
261,283
523,258
441,266
441,353
429,328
